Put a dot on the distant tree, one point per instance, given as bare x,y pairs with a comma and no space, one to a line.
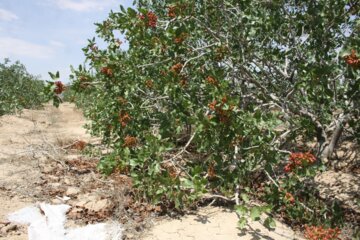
18,88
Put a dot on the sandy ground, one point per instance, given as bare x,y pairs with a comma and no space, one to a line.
23,140
25,157
215,223
344,187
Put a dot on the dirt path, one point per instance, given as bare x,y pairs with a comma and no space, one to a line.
23,155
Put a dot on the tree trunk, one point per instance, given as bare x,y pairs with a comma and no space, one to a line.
327,148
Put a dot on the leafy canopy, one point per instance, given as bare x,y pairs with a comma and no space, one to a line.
209,94
18,88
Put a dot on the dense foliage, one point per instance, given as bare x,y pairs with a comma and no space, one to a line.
82,100
213,96
18,88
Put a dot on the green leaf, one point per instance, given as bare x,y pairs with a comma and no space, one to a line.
242,223
244,197
266,208
269,223
177,203
255,213
126,152
241,210
51,75
186,183
159,191
131,12
133,163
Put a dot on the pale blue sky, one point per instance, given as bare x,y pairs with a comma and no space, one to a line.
48,35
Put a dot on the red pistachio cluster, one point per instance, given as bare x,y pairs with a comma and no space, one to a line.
181,38
321,233
352,59
59,87
299,160
212,81
171,170
183,82
178,40
151,19
149,83
176,68
289,198
130,141
107,71
124,119
224,115
171,12
176,10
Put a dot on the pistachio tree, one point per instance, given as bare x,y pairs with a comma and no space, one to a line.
204,96
18,88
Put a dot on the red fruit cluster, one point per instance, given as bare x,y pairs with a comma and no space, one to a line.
59,87
149,83
181,38
129,141
320,233
107,71
352,59
212,81
171,12
224,115
151,19
212,105
124,119
178,40
176,68
173,172
289,197
183,82
299,160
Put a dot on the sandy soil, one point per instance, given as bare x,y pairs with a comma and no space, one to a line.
215,223
23,155
344,187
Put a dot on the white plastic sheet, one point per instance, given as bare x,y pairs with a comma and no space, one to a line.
47,221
